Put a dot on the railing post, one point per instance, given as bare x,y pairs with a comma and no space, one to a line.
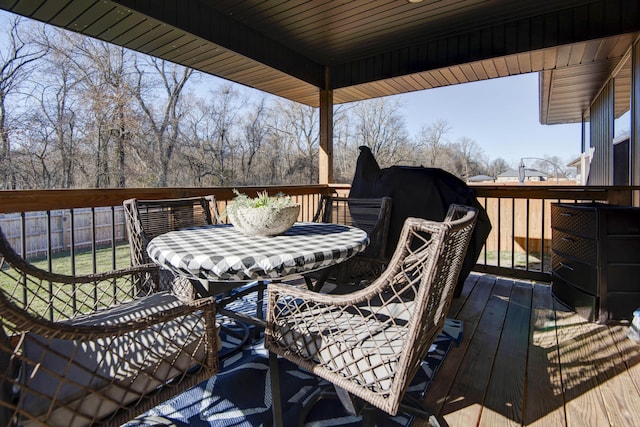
620,197
325,165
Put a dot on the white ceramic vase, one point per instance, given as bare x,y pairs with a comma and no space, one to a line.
263,221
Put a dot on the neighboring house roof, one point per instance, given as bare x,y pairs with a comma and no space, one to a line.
575,162
481,178
528,173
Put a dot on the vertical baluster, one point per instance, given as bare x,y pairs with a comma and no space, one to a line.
543,209
513,232
499,228
485,245
23,253
526,249
72,251
93,252
49,263
113,249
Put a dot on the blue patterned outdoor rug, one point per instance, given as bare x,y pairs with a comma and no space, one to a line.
240,394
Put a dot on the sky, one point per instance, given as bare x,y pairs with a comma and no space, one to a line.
500,115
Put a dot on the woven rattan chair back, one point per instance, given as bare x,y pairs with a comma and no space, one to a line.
371,342
371,215
95,349
147,219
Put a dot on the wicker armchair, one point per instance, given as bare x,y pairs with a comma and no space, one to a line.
147,219
372,216
95,349
371,342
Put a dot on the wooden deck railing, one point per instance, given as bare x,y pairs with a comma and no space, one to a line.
86,226
66,222
520,241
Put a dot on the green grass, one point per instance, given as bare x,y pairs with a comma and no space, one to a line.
87,297
61,262
519,260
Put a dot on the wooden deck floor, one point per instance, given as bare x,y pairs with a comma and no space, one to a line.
527,360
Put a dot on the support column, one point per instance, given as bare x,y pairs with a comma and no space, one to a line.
325,160
635,119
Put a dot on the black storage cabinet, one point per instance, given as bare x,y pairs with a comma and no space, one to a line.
596,259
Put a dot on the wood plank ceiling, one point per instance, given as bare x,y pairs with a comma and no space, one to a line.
362,49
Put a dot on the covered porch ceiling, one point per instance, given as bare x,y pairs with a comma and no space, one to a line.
361,49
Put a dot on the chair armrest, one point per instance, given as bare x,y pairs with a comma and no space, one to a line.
279,290
89,328
88,278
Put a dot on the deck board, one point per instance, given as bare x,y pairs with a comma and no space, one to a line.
468,392
527,360
580,349
505,394
468,307
616,386
630,353
544,402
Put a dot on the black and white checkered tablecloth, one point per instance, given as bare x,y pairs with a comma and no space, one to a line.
221,252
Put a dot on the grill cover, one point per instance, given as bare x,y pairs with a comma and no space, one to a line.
419,192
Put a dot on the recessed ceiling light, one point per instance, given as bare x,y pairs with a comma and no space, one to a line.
414,1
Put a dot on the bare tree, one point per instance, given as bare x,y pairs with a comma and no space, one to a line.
226,105
57,116
211,134
278,149
255,134
17,59
163,111
198,154
345,145
469,157
497,166
299,130
432,139
103,75
379,126
34,169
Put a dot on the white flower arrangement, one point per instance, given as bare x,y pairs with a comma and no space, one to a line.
263,215
262,200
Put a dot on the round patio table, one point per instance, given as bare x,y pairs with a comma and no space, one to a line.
222,252
211,254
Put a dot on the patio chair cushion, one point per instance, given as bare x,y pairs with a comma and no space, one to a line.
117,358
377,327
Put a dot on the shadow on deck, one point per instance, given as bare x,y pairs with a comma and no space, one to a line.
527,360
